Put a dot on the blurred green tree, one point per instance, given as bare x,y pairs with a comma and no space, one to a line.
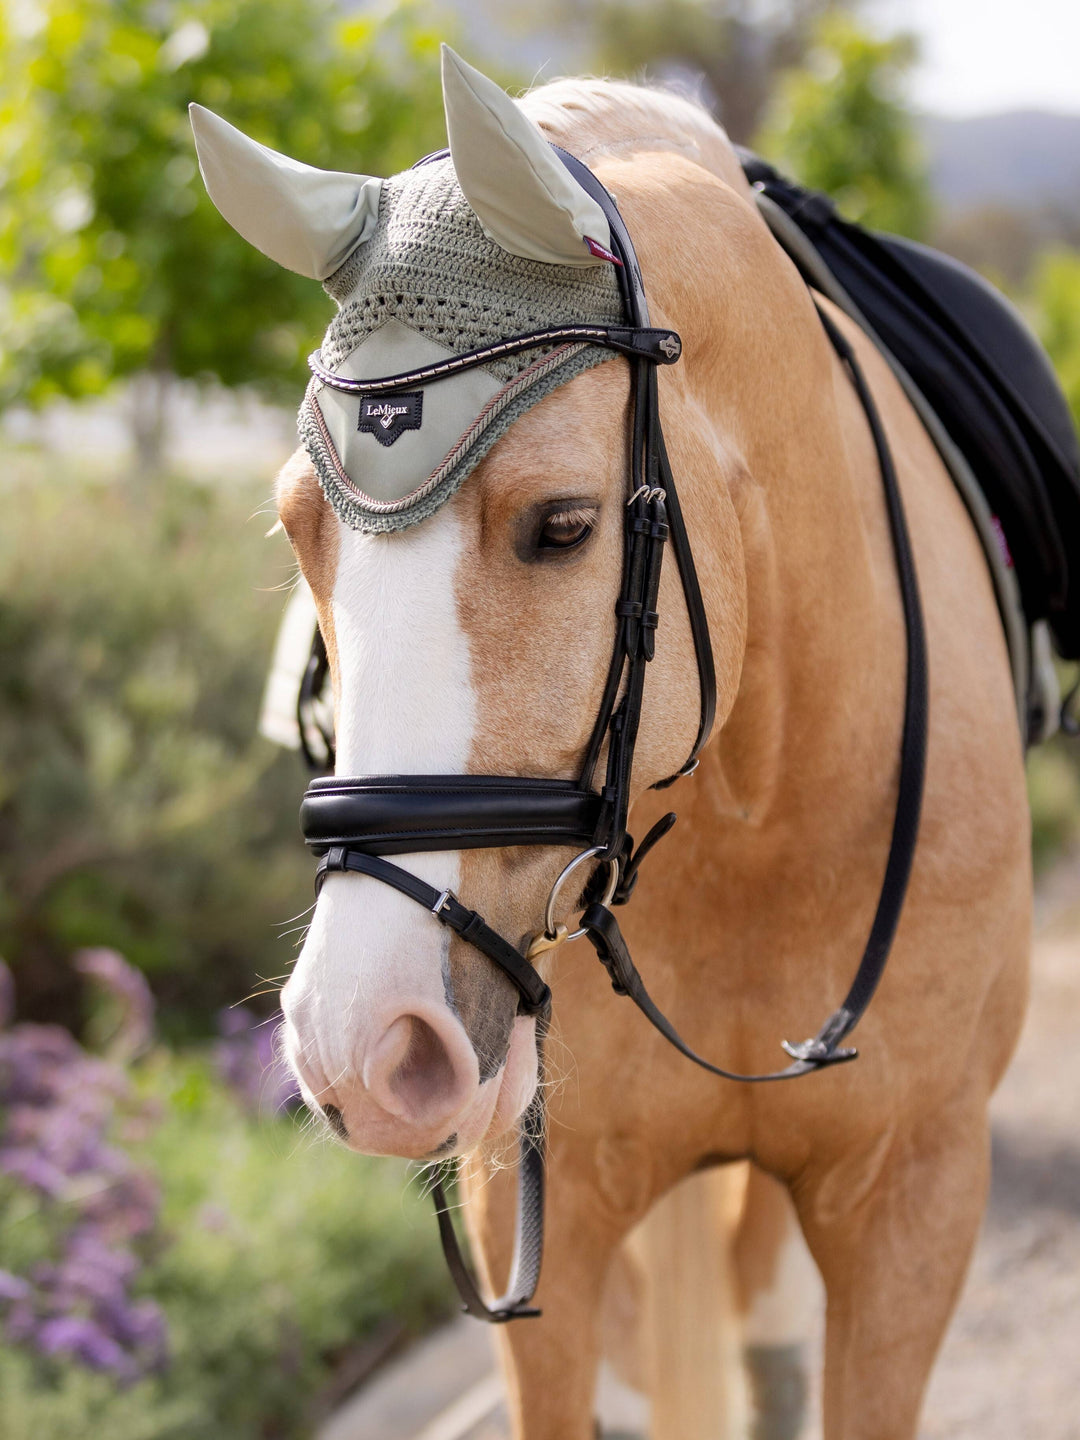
1056,294
138,808
735,46
839,124
1053,300
113,263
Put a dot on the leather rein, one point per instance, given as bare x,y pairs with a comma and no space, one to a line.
353,823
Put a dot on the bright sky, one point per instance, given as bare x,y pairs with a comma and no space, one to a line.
985,55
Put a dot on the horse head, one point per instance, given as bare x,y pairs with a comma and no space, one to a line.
468,626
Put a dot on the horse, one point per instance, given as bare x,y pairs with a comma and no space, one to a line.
478,640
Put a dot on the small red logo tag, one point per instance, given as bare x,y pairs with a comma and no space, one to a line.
595,248
1002,540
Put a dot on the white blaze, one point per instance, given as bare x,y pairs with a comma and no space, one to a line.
406,700
405,706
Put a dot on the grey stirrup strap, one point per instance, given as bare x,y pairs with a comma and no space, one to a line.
514,1304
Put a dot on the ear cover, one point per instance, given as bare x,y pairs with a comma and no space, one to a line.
429,285
523,196
306,219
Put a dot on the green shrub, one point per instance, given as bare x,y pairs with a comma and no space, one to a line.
138,809
1054,791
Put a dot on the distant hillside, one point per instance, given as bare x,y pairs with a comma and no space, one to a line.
1021,158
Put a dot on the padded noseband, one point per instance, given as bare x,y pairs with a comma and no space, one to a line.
400,814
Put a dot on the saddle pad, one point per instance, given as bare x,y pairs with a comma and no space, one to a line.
985,376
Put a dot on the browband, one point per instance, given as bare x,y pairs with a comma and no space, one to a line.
662,347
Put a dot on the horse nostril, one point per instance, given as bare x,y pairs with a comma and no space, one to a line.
415,1072
337,1122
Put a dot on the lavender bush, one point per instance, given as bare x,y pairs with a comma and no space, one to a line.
249,1060
176,1261
93,1205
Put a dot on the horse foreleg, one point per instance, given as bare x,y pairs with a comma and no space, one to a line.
688,1339
549,1363
892,1232
779,1293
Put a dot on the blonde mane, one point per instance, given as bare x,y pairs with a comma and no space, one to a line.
592,117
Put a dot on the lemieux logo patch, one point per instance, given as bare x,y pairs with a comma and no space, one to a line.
388,419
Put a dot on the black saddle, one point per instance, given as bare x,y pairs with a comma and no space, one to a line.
986,377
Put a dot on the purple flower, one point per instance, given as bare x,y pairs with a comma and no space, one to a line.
126,1209
249,1061
80,1279
58,1112
234,1021
141,1326
33,1059
76,1335
13,1287
34,1170
21,1320
88,1248
128,986
67,1134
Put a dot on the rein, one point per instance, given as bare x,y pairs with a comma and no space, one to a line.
353,822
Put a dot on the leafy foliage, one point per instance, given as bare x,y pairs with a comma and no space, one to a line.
1057,299
839,124
735,46
137,807
112,260
1053,781
1054,770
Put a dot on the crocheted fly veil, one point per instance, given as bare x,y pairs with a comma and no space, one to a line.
453,256
428,286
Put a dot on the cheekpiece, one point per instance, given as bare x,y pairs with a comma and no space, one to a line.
428,286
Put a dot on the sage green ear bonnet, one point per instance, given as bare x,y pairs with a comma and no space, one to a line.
452,256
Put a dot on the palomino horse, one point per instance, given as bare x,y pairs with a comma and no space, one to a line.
477,641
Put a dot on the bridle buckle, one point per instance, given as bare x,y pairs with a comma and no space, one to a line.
442,902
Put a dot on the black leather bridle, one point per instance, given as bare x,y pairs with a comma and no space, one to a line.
354,823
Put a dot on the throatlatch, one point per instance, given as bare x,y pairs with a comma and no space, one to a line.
353,822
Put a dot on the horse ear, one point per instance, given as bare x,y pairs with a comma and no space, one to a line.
519,190
306,219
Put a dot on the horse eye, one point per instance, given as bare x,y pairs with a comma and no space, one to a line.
564,530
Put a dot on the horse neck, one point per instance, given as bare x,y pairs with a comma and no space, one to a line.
819,692
815,692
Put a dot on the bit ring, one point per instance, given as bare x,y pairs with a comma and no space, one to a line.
550,927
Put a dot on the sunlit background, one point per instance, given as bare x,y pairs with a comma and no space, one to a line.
178,1257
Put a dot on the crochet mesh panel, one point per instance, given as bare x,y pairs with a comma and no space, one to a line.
430,266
